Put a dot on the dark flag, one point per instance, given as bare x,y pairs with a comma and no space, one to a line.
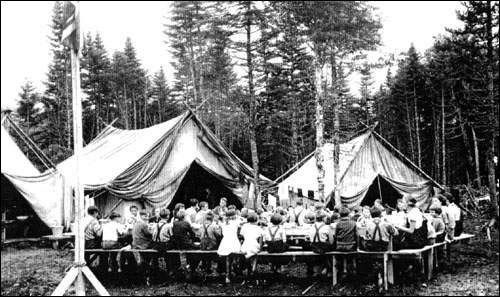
71,25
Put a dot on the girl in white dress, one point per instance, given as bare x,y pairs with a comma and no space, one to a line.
229,243
252,243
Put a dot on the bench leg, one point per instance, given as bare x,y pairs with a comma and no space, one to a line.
430,263
55,244
386,260
334,271
228,269
390,270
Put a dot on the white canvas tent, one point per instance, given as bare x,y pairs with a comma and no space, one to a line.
367,168
148,165
43,192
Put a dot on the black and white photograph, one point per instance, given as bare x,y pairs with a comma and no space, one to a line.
237,148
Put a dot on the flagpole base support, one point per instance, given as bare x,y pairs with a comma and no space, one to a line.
76,276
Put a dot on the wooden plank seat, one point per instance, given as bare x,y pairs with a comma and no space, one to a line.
425,254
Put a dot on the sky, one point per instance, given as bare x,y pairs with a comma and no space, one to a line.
25,27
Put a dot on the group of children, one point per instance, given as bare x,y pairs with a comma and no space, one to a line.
231,231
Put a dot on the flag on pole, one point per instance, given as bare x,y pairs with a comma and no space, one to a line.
71,25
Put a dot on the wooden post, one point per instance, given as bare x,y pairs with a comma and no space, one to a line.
386,259
430,263
390,269
334,270
4,227
76,273
78,189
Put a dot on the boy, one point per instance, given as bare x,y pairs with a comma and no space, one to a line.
141,235
210,235
438,223
93,230
378,232
110,234
299,213
111,231
345,232
200,216
142,240
192,210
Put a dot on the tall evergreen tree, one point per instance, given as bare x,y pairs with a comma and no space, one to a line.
57,96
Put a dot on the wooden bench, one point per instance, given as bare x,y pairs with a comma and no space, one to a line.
425,254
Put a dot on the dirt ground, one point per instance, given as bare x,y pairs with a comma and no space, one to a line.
473,270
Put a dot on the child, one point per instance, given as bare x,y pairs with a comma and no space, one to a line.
345,232
155,215
178,207
378,232
321,239
416,232
262,219
210,235
361,225
275,238
229,243
275,235
252,243
110,233
162,231
438,223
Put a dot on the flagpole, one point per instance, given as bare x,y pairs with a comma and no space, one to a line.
77,138
77,272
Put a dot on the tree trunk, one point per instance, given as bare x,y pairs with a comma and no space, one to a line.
336,132
126,116
295,136
135,110
253,110
417,126
409,127
192,69
443,138
465,136
69,141
145,104
493,116
476,158
319,128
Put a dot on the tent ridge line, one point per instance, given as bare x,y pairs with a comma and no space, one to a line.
420,170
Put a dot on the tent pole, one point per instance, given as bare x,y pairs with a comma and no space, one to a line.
379,189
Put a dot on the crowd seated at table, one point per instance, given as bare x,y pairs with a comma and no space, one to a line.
231,231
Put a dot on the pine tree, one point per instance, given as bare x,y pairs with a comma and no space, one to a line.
163,107
96,85
57,96
28,116
186,33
